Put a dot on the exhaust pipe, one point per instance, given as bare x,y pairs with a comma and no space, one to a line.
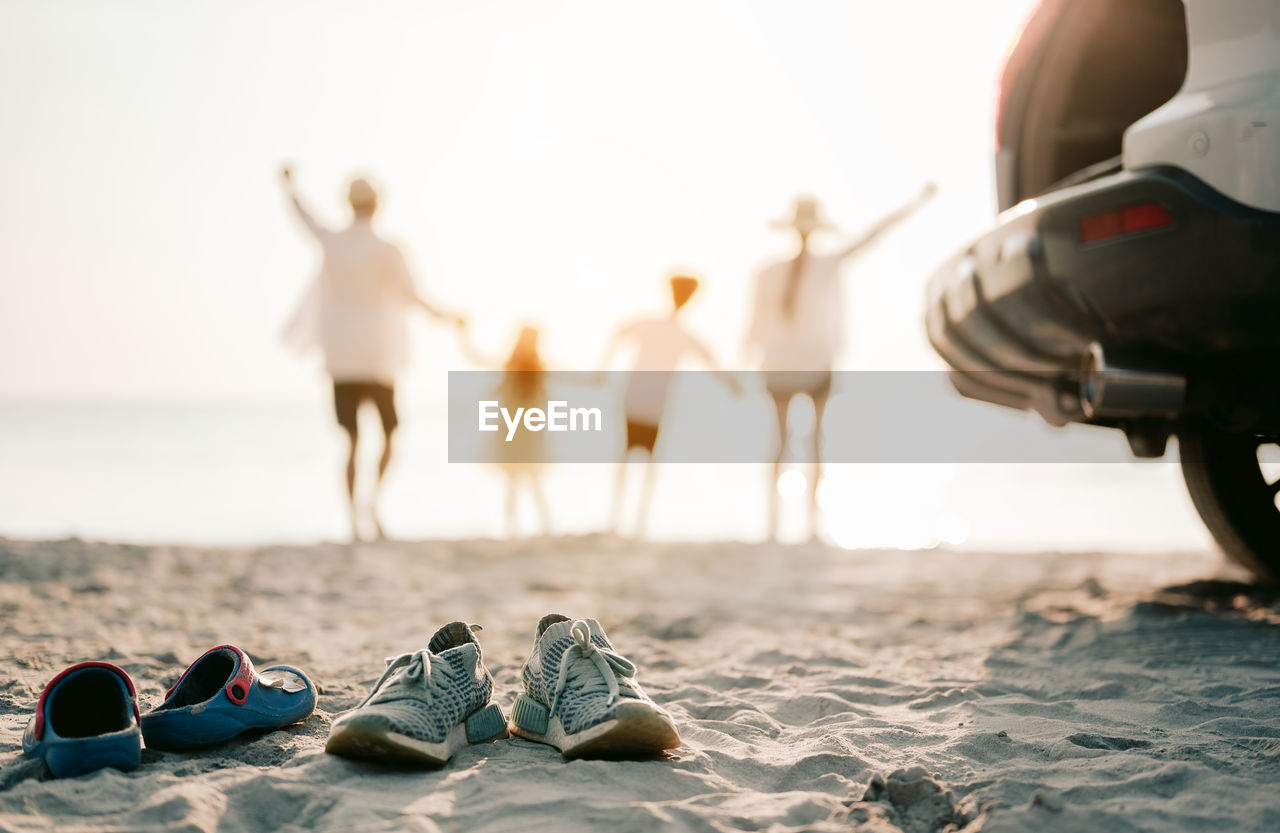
1108,390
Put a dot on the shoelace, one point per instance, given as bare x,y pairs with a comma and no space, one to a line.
417,665
610,666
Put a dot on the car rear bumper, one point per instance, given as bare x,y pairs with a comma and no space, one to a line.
1016,313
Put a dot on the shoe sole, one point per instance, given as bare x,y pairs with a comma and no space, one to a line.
636,730
380,743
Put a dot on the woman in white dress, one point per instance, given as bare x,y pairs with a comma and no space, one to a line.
797,328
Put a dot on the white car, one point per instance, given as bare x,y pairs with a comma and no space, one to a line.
1133,278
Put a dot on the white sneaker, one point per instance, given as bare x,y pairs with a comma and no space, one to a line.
581,696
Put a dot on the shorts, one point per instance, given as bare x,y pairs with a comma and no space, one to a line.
347,397
784,384
641,435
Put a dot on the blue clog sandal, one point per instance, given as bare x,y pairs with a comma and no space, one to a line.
86,719
221,695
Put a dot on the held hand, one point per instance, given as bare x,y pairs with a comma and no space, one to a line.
460,321
286,173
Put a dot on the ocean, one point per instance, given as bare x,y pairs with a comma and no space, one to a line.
251,473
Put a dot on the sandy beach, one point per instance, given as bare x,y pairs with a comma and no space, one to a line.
816,689
885,379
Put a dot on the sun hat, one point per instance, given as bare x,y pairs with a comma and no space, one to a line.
806,217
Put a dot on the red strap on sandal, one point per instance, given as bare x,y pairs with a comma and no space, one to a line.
237,688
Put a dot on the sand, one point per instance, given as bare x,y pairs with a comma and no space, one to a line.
816,689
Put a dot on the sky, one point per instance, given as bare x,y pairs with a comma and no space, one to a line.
540,162
545,163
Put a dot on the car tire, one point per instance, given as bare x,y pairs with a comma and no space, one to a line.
1233,497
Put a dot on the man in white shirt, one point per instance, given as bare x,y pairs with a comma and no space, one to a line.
797,328
660,343
356,311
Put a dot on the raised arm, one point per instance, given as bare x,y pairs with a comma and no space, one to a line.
307,220
889,221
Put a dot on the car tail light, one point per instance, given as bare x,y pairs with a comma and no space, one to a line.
1118,222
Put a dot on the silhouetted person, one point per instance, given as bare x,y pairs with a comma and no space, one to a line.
797,328
356,311
523,385
660,343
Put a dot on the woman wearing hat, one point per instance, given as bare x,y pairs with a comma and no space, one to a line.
797,326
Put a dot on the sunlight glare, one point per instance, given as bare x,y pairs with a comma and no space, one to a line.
791,485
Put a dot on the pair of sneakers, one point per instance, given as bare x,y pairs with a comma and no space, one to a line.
87,717
579,696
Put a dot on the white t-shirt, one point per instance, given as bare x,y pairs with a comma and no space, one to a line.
660,344
355,310
811,336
